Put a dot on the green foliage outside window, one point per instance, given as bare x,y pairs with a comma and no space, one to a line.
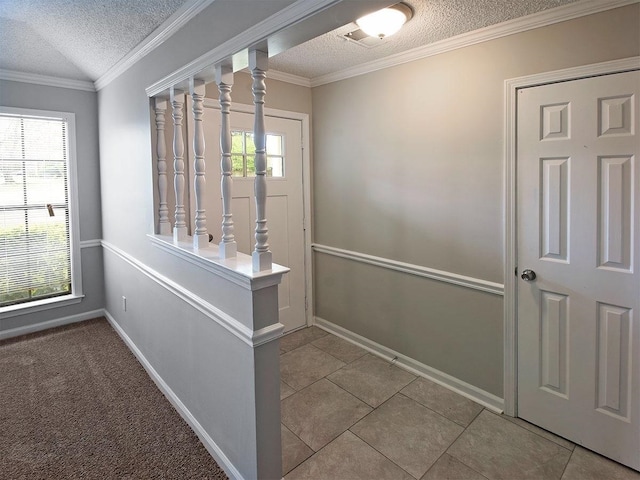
47,273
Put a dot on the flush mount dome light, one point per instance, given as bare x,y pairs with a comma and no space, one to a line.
385,22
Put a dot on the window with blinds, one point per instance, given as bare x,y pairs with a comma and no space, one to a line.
35,225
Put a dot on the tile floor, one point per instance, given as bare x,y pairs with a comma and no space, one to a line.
349,415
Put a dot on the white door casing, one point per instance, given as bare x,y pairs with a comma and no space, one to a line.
578,217
286,203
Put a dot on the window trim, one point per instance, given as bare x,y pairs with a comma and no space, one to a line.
76,294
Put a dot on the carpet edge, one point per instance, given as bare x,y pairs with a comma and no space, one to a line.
214,450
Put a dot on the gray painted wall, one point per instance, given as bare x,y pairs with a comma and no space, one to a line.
214,375
408,165
85,106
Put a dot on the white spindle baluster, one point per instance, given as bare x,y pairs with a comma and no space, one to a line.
200,235
261,255
177,102
164,225
224,79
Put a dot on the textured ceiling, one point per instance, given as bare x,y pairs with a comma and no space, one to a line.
78,39
82,39
433,20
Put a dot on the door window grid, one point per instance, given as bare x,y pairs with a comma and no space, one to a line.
243,150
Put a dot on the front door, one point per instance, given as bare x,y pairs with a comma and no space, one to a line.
579,262
285,204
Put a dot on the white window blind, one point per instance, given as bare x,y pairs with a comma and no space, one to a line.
35,235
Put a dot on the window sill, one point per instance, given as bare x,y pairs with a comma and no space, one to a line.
39,305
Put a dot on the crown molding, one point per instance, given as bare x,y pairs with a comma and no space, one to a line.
170,26
47,80
288,16
510,27
288,78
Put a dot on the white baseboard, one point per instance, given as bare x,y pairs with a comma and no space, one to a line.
211,446
486,399
58,322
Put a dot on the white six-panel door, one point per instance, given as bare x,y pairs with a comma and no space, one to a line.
285,206
578,229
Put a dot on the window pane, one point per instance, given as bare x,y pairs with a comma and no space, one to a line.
275,167
35,256
44,139
237,163
10,138
237,145
274,144
251,165
249,143
45,183
11,192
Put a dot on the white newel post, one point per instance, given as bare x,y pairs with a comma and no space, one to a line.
261,255
164,225
177,104
200,235
224,79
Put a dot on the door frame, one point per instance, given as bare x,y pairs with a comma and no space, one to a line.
511,87
306,188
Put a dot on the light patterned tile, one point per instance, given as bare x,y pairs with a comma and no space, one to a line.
371,379
586,465
410,435
448,468
285,390
294,450
348,458
542,432
305,365
321,412
499,449
296,339
339,348
442,400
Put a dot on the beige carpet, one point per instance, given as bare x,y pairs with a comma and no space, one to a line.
75,403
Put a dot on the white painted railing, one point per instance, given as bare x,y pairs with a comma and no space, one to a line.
261,254
164,226
177,104
224,78
227,247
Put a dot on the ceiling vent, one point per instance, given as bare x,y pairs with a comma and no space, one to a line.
360,38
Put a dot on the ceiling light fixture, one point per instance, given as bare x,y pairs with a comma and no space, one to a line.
385,22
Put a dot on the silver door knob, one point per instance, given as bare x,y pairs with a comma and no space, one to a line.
528,275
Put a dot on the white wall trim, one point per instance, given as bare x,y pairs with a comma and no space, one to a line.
510,27
233,326
170,26
214,450
96,242
511,87
238,270
467,390
47,80
412,269
294,13
58,322
288,78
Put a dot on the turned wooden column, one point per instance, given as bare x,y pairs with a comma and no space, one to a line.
177,104
164,225
200,235
262,257
224,80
